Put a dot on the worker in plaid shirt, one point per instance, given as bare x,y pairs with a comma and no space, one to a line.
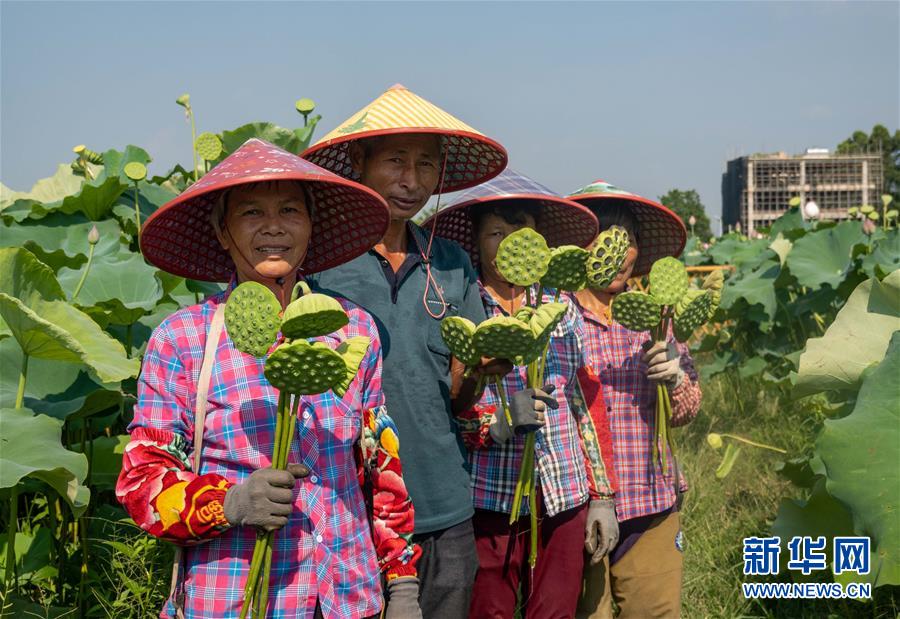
326,557
643,572
574,490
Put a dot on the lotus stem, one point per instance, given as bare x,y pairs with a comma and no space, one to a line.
263,598
137,208
190,111
23,375
12,580
84,274
532,505
753,443
502,393
253,574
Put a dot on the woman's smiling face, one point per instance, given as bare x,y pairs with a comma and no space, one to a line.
266,229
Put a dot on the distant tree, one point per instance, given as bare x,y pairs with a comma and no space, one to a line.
879,140
685,204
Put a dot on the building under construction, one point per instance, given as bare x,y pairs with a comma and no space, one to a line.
756,189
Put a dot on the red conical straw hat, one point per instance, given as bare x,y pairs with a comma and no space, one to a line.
347,218
661,232
472,158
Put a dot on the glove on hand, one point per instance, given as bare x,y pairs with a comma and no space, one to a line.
601,530
527,408
265,499
664,363
403,599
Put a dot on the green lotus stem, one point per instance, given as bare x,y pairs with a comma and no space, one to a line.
137,208
502,393
754,443
528,295
12,580
532,507
253,574
23,375
84,274
263,599
190,111
557,295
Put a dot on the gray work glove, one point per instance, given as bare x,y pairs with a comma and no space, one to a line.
265,499
663,363
403,599
527,408
601,533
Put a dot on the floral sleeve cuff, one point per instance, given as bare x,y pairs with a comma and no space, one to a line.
475,426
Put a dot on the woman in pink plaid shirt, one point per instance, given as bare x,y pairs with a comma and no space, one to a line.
643,571
266,215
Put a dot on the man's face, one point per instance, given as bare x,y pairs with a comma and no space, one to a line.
492,230
404,169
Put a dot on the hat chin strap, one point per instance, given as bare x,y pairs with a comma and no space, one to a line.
426,257
279,281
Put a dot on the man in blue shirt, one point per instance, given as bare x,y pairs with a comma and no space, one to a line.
407,149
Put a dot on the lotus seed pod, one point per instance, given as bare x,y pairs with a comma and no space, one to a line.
865,209
891,214
135,170
694,315
684,301
94,235
668,280
714,282
636,311
313,315
874,216
302,368
524,313
794,202
352,350
567,269
209,146
886,199
853,211
542,324
714,440
607,253
87,154
305,106
523,257
251,318
184,100
503,337
459,334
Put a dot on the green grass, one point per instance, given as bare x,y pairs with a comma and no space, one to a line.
718,514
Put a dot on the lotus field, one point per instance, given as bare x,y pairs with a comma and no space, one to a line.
797,337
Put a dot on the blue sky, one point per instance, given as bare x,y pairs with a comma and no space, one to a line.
649,96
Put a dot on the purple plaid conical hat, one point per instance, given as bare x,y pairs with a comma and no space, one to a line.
347,218
561,221
661,232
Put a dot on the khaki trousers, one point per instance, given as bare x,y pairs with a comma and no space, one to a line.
645,582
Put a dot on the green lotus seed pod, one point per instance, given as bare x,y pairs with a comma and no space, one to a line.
352,350
795,201
694,315
523,257
87,154
714,282
459,334
874,216
302,368
567,268
546,318
313,315
135,170
184,100
853,211
209,146
684,301
886,199
714,440
865,209
636,311
251,318
606,255
891,214
524,313
668,280
503,337
305,106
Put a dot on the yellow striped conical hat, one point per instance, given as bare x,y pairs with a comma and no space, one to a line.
472,158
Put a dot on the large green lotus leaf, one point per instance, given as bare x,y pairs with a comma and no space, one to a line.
313,315
566,270
57,331
106,460
523,257
819,515
352,350
252,318
150,198
123,286
739,252
279,136
97,196
305,369
861,454
791,225
26,278
45,378
824,256
83,398
65,243
19,205
755,287
885,256
504,337
459,335
857,339
32,448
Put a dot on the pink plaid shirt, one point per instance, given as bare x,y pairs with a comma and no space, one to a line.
614,354
326,551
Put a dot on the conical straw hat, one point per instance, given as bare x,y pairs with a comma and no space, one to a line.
472,158
347,218
660,232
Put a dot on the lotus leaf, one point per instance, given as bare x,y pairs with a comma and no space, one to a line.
352,351
503,337
302,368
523,257
567,268
251,318
636,311
313,315
459,334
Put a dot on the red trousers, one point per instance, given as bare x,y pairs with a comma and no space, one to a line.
550,591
